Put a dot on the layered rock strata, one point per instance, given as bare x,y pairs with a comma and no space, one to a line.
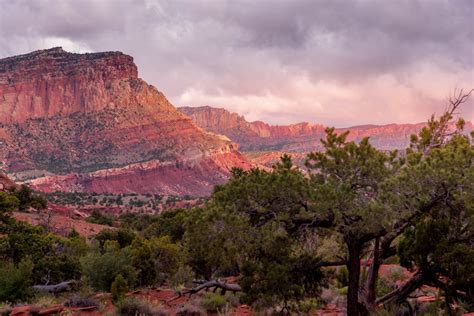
88,122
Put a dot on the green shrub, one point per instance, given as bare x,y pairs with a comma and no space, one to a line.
43,299
189,309
29,199
119,288
392,260
133,306
56,267
307,305
102,269
15,281
232,298
78,300
384,286
398,310
397,274
342,276
5,309
183,277
213,302
97,217
343,290
124,237
8,204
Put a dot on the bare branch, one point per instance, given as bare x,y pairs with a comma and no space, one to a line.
55,288
204,285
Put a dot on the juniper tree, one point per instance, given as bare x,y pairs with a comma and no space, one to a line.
346,178
433,194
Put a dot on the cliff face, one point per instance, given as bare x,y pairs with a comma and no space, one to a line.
54,82
256,135
219,120
195,176
301,137
6,183
78,114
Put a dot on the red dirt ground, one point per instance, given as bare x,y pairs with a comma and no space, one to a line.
60,224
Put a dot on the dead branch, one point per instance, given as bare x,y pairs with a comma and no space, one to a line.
205,285
402,292
216,284
442,132
55,288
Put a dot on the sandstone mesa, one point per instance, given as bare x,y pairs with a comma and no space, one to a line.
82,122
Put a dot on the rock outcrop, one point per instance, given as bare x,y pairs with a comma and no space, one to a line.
251,136
301,137
87,122
6,183
53,82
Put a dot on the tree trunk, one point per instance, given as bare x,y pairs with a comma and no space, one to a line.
401,294
372,276
353,266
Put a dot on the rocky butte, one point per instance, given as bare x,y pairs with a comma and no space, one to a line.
87,122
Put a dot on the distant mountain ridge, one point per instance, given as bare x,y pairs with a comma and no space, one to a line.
300,137
87,122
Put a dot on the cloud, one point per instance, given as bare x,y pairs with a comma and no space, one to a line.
328,61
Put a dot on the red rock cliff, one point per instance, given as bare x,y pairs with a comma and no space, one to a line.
62,112
256,135
51,82
300,137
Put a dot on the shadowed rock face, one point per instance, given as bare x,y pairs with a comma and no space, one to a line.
6,183
300,137
80,114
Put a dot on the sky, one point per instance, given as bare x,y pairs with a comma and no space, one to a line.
335,62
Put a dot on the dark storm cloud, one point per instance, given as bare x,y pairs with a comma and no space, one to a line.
326,61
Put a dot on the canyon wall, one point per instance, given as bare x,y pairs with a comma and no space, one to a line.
86,121
300,137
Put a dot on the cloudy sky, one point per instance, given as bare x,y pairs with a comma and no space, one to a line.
325,61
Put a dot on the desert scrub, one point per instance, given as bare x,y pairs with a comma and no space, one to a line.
44,300
5,309
307,305
213,302
182,278
15,281
78,300
133,306
119,288
190,309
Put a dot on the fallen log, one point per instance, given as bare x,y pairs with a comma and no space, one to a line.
204,285
55,288
216,284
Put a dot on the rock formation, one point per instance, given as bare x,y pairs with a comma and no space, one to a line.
6,183
251,136
301,137
87,122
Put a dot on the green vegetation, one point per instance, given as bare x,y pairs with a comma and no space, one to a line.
28,199
126,204
97,217
101,268
213,302
15,281
118,289
133,306
283,235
